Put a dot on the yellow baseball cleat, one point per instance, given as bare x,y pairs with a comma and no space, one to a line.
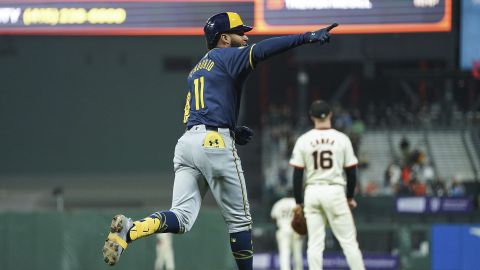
116,241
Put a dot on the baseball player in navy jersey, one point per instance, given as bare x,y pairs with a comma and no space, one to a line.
205,156
323,154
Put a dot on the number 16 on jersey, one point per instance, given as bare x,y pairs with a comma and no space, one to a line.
324,159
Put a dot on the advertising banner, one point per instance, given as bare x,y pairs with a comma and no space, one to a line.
187,17
331,260
421,205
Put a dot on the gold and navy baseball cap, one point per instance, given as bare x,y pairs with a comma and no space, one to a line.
319,109
223,23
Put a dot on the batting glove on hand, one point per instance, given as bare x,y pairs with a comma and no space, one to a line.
321,35
243,135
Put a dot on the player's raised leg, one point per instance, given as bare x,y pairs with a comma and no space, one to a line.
123,231
188,191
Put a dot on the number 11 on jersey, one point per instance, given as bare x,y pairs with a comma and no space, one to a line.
199,85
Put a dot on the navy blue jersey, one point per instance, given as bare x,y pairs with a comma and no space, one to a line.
215,86
215,83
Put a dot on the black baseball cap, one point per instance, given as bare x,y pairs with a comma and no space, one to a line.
320,109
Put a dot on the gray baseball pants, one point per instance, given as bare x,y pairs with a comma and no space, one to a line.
206,159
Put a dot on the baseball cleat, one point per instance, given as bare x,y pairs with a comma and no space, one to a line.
116,241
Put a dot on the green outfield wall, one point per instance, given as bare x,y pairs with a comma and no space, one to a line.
74,241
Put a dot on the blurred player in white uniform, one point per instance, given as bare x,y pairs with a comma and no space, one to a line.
323,154
165,259
289,242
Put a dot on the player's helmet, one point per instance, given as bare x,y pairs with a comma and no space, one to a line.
223,23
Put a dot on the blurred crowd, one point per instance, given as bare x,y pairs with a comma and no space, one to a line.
425,115
412,175
431,105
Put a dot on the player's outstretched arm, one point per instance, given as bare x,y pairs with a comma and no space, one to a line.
273,46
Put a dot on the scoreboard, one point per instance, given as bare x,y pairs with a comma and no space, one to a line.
187,17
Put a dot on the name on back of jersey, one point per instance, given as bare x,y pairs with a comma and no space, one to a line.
206,64
322,141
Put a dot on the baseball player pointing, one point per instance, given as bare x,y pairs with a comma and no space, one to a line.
323,154
205,156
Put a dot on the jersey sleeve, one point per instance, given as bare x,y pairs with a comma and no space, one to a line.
350,158
297,158
238,61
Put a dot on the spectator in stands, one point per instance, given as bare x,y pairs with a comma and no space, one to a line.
405,153
371,188
406,175
405,189
392,178
438,188
417,187
427,172
422,173
457,189
417,157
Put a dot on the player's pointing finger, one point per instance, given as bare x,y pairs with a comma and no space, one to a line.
332,26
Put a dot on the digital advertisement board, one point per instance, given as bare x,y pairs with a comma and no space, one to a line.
167,17
470,35
355,16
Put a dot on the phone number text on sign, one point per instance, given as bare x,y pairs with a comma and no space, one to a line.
60,16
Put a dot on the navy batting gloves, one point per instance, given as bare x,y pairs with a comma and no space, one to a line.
322,35
243,135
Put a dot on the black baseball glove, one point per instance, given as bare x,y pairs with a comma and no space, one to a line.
321,35
243,135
